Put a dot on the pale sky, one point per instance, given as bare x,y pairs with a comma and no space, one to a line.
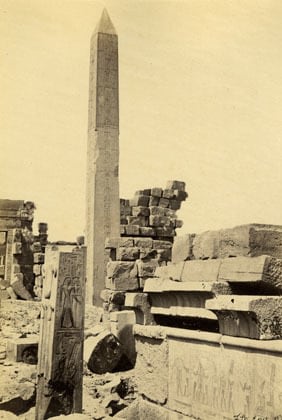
200,101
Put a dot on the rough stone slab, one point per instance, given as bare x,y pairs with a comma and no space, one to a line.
140,211
184,312
127,254
246,240
257,269
102,353
182,248
258,317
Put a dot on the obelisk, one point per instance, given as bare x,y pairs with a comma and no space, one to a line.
102,201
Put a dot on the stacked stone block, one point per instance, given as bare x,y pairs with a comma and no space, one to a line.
152,212
38,248
233,276
148,227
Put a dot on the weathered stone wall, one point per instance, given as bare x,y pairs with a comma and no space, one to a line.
22,250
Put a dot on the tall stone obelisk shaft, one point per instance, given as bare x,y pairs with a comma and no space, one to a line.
103,213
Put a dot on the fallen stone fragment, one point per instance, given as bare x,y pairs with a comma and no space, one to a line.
257,317
102,353
246,240
18,287
23,349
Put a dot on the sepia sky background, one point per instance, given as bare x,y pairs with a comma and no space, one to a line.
200,101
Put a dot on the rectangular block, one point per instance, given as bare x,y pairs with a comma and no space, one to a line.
176,185
18,350
247,240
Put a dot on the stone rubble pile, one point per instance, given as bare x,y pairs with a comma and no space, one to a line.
20,249
232,277
148,226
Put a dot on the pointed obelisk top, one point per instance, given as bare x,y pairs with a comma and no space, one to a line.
105,25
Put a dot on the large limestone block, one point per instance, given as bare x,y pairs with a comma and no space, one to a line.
182,248
102,353
258,269
258,317
247,240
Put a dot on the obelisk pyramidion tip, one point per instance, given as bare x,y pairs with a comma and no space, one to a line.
105,25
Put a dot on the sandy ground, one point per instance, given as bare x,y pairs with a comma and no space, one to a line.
103,395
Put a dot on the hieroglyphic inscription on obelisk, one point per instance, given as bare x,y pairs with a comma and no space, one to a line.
102,201
60,359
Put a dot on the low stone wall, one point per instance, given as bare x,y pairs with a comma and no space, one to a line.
191,374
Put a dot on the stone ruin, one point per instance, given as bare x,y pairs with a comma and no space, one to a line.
197,317
22,252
